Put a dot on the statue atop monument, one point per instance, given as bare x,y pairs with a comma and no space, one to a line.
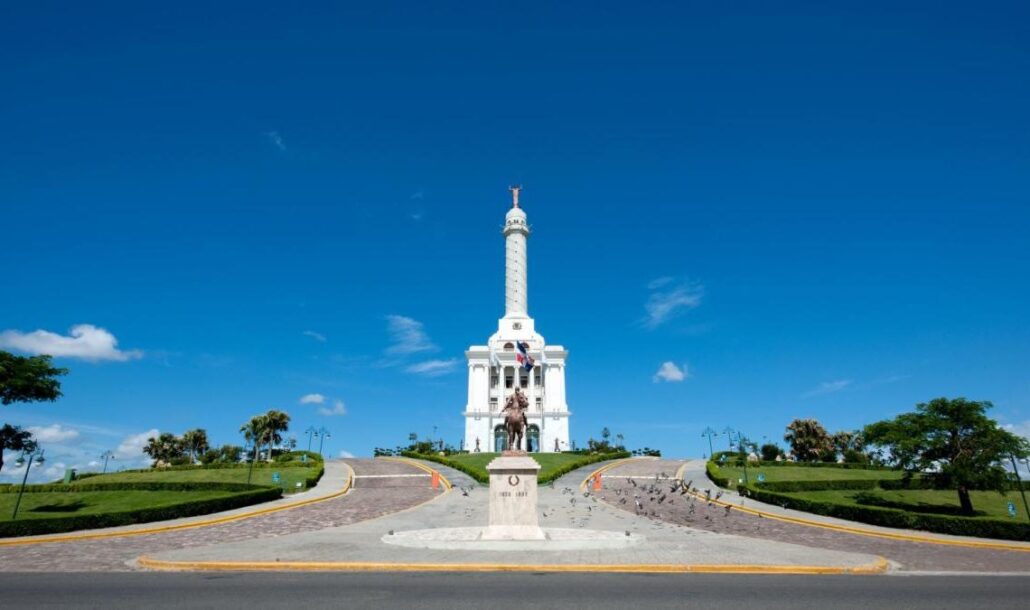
514,413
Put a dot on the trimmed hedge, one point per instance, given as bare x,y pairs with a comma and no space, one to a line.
889,517
567,468
55,525
713,474
833,484
484,478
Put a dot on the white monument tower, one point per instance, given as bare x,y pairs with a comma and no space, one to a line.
516,356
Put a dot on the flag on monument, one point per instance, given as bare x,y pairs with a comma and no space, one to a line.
522,357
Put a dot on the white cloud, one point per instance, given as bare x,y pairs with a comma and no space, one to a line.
346,454
407,335
55,433
433,368
669,299
827,387
84,341
338,409
131,447
316,336
54,471
312,399
276,140
669,372
1020,429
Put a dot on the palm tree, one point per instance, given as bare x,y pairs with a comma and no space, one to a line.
195,442
276,423
807,439
255,432
164,448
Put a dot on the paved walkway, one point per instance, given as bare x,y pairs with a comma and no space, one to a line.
909,556
119,551
563,505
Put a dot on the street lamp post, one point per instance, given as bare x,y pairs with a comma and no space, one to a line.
322,435
311,431
729,436
253,458
106,456
709,433
26,459
742,445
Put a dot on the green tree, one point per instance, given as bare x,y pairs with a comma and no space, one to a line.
807,439
276,423
13,438
195,442
28,379
770,451
165,448
953,443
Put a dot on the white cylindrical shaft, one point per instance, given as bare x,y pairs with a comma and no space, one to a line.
515,288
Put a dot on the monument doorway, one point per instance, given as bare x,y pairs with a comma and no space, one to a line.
500,438
533,438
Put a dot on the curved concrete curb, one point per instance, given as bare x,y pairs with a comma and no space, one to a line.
446,483
181,526
609,466
859,531
880,566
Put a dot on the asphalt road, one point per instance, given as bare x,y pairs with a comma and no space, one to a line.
500,590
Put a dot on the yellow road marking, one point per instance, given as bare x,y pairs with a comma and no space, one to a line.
999,546
183,526
878,567
421,466
607,467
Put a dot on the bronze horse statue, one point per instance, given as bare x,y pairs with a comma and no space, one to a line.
515,419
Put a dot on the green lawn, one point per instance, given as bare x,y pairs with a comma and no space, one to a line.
66,504
988,504
806,473
549,462
262,476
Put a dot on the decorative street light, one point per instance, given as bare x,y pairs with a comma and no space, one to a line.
106,456
322,434
26,459
246,452
311,431
709,433
729,436
1019,483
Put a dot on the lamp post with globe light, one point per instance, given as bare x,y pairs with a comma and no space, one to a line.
25,459
322,434
106,456
709,433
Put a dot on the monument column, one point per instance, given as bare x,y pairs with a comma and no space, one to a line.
515,233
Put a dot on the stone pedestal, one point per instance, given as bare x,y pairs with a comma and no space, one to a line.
513,500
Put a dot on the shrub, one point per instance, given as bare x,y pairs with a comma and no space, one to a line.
135,486
770,451
835,484
889,517
715,475
35,527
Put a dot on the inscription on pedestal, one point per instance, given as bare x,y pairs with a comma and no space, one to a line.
513,499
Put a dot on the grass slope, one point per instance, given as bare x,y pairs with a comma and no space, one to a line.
262,476
807,473
66,504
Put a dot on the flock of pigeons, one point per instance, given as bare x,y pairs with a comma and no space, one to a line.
648,497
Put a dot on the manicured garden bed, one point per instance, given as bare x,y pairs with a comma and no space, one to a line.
552,465
878,497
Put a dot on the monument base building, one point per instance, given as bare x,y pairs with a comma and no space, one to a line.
516,356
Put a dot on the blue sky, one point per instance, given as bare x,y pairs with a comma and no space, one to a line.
817,210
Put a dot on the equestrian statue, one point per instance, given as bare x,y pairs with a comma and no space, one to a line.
514,413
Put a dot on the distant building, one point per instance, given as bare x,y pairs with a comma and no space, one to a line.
497,368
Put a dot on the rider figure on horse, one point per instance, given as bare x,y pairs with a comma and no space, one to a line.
515,419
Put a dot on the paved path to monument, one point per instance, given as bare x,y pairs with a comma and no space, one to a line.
380,487
643,544
908,556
